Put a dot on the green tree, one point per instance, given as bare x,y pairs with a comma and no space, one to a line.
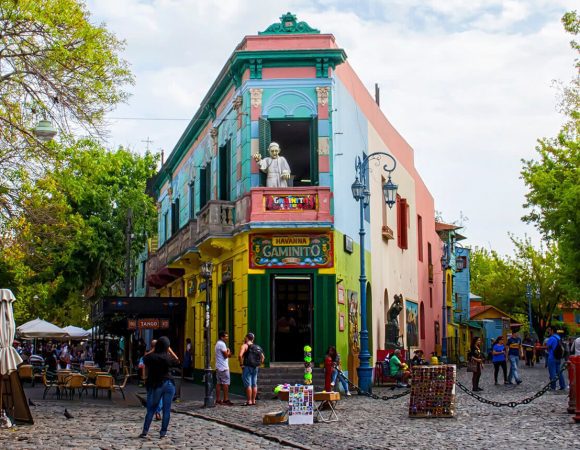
54,63
502,281
68,245
553,180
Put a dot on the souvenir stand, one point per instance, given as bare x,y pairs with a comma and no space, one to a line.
432,391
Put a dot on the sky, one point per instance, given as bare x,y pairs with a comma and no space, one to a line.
468,83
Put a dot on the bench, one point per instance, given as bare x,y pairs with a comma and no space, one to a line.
382,369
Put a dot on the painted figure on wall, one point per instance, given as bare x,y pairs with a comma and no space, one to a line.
412,324
353,321
393,330
275,167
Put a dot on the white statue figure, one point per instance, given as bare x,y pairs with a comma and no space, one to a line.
275,166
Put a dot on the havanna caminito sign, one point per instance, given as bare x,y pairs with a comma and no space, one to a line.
291,251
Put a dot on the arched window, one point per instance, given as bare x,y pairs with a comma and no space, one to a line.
422,321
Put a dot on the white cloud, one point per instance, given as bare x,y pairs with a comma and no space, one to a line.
467,83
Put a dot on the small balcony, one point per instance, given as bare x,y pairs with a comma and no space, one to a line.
216,219
296,204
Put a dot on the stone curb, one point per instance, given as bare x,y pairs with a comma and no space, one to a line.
243,428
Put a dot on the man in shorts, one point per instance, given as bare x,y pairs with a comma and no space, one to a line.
222,353
398,370
250,362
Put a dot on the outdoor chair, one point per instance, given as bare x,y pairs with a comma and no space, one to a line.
26,373
48,384
75,381
104,382
121,387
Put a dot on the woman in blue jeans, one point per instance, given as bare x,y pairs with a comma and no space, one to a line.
160,384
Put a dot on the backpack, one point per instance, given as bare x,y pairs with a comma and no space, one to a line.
253,356
559,350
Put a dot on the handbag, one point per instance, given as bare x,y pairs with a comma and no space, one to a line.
472,366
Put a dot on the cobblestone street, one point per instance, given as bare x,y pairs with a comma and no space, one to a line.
364,423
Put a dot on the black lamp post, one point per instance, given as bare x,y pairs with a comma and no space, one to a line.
209,399
362,194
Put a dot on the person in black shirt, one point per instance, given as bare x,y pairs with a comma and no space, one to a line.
160,384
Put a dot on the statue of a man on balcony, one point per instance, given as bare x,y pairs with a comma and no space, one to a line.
275,167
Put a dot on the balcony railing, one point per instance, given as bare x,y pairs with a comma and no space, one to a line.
172,249
216,219
296,204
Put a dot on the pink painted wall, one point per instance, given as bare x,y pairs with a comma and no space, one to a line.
425,206
288,72
284,42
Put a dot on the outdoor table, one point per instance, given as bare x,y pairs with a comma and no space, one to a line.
321,400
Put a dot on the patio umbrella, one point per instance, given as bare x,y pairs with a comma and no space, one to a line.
39,328
77,332
9,357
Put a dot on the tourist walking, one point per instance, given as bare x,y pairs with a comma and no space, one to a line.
160,383
476,358
555,355
514,344
222,366
251,357
528,346
498,359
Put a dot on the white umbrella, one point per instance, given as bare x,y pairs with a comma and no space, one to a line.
77,332
39,328
9,357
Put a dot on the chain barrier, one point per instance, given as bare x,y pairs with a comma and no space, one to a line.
465,389
370,394
512,404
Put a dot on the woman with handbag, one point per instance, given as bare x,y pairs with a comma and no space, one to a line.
476,363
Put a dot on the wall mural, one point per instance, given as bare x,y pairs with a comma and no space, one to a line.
412,316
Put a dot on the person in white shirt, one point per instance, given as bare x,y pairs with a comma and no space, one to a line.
222,353
576,346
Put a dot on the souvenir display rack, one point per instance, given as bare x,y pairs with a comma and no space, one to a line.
432,391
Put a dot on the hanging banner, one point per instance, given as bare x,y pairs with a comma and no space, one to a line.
291,251
300,405
148,324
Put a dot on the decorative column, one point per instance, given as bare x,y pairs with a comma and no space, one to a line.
255,113
323,138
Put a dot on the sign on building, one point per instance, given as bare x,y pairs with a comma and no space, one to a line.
291,251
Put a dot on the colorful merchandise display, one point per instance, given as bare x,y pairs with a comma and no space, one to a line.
432,391
300,405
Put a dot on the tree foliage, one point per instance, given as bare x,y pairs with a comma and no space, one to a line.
53,63
502,281
553,179
68,245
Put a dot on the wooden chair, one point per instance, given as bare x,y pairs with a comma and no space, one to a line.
26,373
104,382
121,387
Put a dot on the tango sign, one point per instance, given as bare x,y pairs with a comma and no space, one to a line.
291,251
148,324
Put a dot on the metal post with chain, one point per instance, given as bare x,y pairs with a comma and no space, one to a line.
525,401
465,389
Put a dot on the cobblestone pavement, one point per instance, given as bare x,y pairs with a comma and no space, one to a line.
364,423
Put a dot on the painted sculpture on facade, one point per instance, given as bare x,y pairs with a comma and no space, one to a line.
393,331
274,166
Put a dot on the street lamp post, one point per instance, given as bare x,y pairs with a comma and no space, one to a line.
206,271
361,193
529,299
444,266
